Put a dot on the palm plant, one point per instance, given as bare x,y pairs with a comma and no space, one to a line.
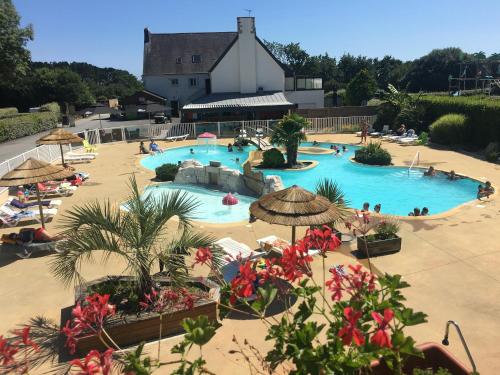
333,192
289,133
138,234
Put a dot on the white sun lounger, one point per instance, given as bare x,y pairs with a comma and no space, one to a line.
177,138
35,247
11,218
53,203
235,249
267,242
408,140
79,158
81,153
385,130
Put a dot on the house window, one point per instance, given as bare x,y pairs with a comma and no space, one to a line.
193,82
178,60
174,82
196,59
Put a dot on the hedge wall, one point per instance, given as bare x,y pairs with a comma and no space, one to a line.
483,116
23,124
8,112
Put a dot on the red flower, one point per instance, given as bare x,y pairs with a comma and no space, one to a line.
381,336
323,239
167,300
271,270
335,285
95,363
203,256
243,284
7,352
25,339
295,262
349,331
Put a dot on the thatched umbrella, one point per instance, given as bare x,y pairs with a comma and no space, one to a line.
59,137
33,171
294,207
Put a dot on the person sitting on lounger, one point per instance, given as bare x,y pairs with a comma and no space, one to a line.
142,148
430,172
153,147
452,176
425,211
401,130
229,147
416,212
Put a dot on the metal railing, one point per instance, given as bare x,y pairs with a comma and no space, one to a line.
227,129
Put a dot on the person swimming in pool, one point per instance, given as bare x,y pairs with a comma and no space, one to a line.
366,207
377,208
191,151
431,172
315,143
416,212
485,191
452,176
229,147
344,149
337,152
425,211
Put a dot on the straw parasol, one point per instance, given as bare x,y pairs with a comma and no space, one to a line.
33,171
59,137
294,207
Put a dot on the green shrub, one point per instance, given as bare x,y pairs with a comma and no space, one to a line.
449,129
50,107
386,115
273,158
8,112
423,138
166,172
483,116
373,154
27,124
492,156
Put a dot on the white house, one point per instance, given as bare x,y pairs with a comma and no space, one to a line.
224,75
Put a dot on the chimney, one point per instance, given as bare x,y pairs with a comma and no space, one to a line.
247,55
146,35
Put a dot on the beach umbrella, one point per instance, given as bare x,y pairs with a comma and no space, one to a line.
59,137
294,207
207,135
33,171
229,200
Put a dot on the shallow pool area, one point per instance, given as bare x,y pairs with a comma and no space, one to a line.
393,187
211,209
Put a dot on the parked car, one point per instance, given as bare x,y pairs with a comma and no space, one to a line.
160,118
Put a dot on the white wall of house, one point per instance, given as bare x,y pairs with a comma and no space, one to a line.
247,66
307,98
164,85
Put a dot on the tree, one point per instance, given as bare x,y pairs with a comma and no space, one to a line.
289,133
361,88
139,235
14,56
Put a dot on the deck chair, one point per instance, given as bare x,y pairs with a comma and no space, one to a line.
33,213
63,189
177,138
162,136
53,203
78,158
79,153
88,147
273,244
385,130
235,249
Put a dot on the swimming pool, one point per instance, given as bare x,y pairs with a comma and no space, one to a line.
211,209
397,191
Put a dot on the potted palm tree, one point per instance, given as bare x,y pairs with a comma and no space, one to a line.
384,240
289,132
139,234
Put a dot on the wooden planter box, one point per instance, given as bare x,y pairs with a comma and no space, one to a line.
379,247
435,356
132,329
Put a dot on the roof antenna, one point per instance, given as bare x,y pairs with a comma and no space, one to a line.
249,12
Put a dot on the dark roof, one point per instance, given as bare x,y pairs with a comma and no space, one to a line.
162,50
239,101
143,97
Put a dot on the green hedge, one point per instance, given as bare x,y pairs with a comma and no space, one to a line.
23,124
166,172
483,116
273,158
8,112
449,129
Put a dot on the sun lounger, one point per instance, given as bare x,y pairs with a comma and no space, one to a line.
384,131
76,153
88,147
408,140
24,205
235,250
78,158
11,218
47,212
35,247
177,138
64,189
273,244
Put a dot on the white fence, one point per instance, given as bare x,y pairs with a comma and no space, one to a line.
228,129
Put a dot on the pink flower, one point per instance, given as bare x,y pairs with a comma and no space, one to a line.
203,256
25,339
242,285
95,363
167,300
323,239
350,332
7,352
296,261
381,336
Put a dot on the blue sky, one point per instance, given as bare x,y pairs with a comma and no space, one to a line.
109,32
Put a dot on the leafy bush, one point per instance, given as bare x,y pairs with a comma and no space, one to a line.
166,172
482,126
361,88
386,115
385,230
373,154
50,107
423,138
242,142
273,158
492,156
27,124
449,129
8,112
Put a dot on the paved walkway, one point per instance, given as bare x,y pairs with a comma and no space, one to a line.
451,262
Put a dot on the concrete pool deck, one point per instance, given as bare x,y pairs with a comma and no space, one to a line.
451,261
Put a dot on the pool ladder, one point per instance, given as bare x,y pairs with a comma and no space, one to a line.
416,158
462,339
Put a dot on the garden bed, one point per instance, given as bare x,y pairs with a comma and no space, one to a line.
129,328
379,247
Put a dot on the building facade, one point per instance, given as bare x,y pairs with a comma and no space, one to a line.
228,75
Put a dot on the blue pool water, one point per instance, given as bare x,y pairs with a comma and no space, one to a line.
211,208
392,187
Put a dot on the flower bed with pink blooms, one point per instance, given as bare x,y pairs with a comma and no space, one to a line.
126,328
